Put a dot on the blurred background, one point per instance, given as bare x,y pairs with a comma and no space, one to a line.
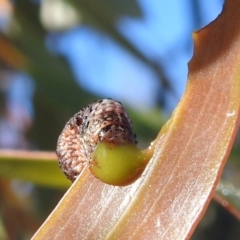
57,56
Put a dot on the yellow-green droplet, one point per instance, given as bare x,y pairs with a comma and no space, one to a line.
118,164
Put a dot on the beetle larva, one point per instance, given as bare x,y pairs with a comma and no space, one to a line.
105,121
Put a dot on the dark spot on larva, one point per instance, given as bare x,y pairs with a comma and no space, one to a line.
90,109
78,120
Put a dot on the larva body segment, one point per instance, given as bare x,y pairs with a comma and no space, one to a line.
102,121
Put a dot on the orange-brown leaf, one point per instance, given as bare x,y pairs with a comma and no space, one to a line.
169,199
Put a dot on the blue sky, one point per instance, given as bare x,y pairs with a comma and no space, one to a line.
163,34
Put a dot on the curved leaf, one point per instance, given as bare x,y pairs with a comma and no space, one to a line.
169,199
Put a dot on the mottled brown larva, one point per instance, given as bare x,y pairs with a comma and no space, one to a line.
104,120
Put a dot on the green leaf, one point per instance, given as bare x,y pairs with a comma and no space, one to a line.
36,167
